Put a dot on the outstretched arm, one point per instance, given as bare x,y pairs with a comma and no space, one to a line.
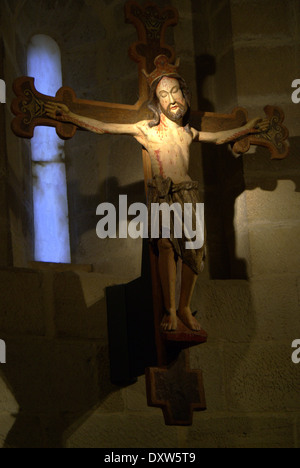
257,125
62,113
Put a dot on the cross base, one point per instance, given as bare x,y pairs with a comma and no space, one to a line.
184,336
177,390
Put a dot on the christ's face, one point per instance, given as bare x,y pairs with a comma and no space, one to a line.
171,100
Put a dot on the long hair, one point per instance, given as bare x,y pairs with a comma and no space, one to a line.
153,102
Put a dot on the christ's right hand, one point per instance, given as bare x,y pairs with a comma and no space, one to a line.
57,111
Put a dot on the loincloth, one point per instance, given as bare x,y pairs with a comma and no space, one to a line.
161,190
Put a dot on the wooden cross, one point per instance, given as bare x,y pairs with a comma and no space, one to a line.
172,385
177,390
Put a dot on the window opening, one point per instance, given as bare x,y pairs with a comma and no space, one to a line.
50,204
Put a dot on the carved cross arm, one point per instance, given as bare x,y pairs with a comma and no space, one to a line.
29,109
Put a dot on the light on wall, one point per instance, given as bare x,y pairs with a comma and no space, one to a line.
51,221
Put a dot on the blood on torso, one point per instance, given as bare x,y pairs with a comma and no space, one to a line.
169,150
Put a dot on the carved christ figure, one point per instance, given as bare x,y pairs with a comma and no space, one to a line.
167,139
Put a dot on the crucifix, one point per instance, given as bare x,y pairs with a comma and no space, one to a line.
171,385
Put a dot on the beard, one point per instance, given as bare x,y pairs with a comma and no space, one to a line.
177,115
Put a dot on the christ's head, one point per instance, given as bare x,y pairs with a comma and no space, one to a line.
170,96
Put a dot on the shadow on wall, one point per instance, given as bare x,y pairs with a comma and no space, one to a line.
225,178
55,380
223,182
59,364
84,207
57,383
54,384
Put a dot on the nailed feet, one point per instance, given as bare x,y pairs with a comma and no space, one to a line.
170,322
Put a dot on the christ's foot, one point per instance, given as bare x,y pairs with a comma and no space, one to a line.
188,319
169,322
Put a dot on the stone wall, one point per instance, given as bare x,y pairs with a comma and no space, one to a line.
55,389
5,239
16,161
252,323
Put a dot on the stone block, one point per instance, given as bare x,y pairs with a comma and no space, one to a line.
242,431
87,154
80,304
250,20
5,246
8,402
105,256
222,303
291,121
120,65
113,403
21,302
23,431
135,396
281,205
209,358
241,262
123,431
270,79
260,166
184,8
240,212
221,29
274,248
87,29
276,306
47,376
130,90
226,82
261,377
81,68
7,421
264,309
297,444
127,171
214,8
183,34
196,166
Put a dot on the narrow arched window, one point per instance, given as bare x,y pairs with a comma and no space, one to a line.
51,221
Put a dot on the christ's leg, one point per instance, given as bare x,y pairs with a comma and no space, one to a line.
188,281
167,272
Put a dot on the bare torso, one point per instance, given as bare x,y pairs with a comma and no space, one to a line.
168,148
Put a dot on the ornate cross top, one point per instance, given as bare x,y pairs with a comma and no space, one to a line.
151,23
